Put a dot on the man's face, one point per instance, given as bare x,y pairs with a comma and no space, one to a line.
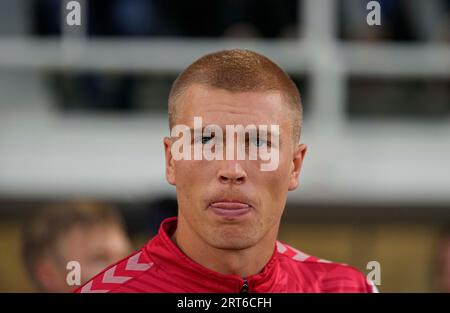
205,188
94,247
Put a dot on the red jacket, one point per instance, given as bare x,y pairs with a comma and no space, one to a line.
160,266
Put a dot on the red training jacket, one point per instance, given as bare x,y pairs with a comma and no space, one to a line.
160,266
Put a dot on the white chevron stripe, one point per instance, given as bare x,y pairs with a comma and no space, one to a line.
280,247
133,265
109,277
300,256
325,261
88,289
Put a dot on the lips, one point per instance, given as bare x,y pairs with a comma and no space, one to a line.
229,208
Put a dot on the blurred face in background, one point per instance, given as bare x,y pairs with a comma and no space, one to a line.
201,184
443,277
94,247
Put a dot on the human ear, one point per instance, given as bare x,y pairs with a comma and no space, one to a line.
297,162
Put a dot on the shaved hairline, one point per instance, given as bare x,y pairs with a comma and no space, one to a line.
238,71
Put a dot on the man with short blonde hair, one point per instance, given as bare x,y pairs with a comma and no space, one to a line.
224,238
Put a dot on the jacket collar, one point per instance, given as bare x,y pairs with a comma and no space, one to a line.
166,254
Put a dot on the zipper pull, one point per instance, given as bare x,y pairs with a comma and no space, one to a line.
244,288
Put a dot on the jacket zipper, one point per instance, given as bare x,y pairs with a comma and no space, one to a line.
244,288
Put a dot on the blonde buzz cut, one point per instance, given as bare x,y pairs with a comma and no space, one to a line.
239,70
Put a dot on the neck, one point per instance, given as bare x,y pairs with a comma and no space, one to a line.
242,262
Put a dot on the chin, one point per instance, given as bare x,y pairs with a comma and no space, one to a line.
227,244
232,239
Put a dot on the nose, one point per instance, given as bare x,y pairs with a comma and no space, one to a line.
232,173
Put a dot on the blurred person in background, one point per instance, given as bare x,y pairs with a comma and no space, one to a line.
90,233
442,277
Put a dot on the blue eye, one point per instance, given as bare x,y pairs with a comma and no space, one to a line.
259,142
